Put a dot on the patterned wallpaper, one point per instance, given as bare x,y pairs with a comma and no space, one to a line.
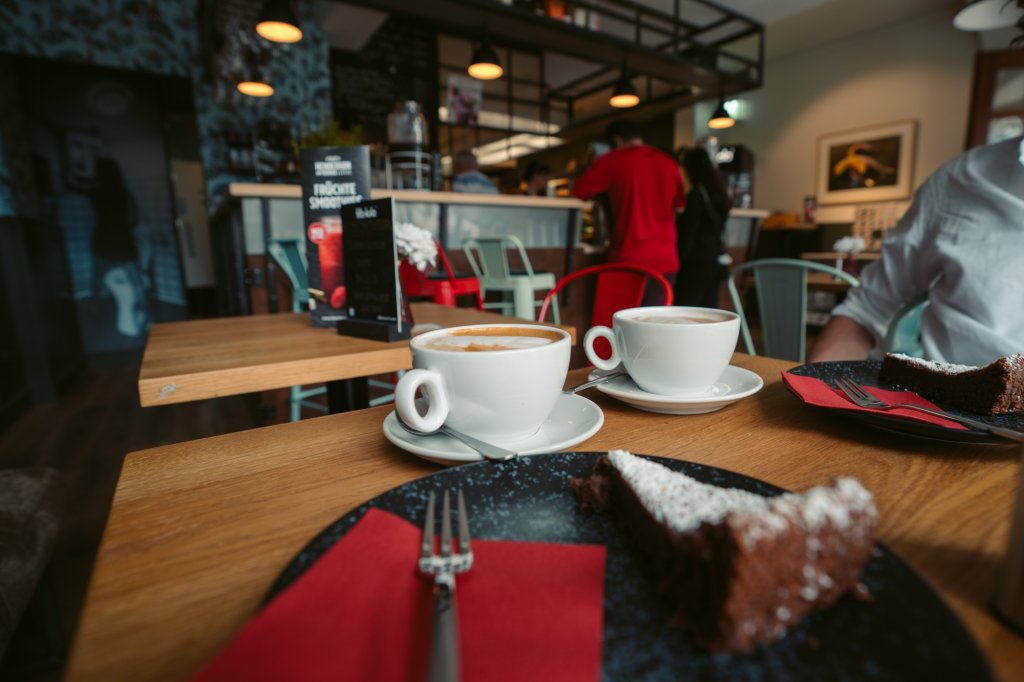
165,37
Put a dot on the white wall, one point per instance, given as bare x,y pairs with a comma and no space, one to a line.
920,69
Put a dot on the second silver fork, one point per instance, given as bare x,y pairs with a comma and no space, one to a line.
443,565
860,396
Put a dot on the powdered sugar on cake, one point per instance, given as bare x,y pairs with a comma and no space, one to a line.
934,366
683,503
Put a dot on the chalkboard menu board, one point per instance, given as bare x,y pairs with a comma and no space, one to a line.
371,271
331,178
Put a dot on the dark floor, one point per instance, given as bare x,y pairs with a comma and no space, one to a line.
85,435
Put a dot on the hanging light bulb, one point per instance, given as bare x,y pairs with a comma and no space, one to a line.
624,95
988,15
278,22
720,118
485,64
255,88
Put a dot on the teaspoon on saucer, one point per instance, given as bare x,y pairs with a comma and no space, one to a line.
595,382
487,450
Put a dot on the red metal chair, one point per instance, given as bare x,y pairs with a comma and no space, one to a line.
619,286
444,287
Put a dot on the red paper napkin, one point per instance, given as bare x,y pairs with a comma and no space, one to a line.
527,611
816,392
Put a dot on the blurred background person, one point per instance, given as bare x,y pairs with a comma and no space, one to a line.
644,189
536,178
467,175
114,248
699,231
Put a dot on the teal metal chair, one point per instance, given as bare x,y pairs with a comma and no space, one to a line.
488,257
290,258
904,332
781,286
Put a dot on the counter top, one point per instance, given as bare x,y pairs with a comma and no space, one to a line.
281,191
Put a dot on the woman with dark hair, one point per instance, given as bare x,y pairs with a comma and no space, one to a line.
699,230
114,249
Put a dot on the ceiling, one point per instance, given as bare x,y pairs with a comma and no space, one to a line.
791,25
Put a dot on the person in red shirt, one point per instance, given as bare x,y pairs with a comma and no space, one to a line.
645,189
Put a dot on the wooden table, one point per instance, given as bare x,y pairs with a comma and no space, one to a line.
200,359
199,531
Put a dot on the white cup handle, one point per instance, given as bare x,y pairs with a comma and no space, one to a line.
437,399
600,332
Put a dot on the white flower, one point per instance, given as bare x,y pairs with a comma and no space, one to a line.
416,245
849,245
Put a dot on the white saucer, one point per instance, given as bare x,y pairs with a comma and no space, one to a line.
573,420
735,384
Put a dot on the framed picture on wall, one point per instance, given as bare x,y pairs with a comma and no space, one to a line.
874,163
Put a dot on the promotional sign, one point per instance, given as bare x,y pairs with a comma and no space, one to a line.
332,177
374,296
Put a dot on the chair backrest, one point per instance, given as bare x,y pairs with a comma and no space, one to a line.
288,255
619,286
488,256
443,260
904,332
416,283
781,285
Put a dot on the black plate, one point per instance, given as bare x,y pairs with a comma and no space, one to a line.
906,632
865,372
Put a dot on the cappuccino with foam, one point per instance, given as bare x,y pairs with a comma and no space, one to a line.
483,339
680,319
495,382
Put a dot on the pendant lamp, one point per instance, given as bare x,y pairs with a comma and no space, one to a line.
485,64
624,95
720,118
255,88
278,22
988,15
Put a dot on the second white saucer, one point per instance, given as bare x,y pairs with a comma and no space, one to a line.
573,420
735,384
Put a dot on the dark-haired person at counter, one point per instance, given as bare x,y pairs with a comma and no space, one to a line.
467,175
536,178
644,189
699,229
961,243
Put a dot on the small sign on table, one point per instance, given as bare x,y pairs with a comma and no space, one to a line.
375,305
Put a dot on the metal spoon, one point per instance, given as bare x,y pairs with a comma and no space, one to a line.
595,382
487,450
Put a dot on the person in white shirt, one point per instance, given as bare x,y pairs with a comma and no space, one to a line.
962,242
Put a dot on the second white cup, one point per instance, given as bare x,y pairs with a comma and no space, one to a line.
668,350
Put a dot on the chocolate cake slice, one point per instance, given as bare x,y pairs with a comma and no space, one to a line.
739,567
996,388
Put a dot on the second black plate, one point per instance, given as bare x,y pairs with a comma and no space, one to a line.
865,372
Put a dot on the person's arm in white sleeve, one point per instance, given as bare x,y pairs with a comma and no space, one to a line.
860,322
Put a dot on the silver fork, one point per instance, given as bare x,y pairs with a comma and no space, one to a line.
858,395
443,565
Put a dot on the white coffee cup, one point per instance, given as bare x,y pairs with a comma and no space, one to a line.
495,382
668,350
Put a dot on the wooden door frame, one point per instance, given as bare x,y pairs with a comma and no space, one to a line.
986,64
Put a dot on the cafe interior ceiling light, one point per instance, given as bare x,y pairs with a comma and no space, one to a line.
255,88
278,23
988,15
485,65
624,95
720,118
